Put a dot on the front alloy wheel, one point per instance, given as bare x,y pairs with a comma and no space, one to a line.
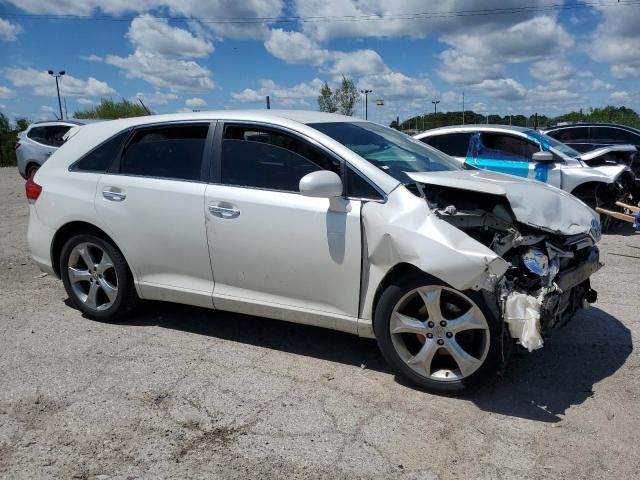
436,336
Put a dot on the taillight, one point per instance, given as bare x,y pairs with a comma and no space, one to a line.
32,189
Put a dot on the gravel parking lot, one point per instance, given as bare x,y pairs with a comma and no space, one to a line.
181,392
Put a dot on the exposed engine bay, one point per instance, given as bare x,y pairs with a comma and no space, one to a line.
548,276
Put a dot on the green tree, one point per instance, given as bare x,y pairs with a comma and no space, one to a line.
108,109
326,100
22,124
343,99
347,96
7,142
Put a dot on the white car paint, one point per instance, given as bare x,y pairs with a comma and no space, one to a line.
308,260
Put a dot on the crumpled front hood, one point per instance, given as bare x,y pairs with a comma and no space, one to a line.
534,203
598,152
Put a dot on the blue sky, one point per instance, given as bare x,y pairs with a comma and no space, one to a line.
547,56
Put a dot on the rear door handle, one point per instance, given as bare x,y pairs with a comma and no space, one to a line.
113,196
224,212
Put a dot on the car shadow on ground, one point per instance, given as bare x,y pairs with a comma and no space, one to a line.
538,386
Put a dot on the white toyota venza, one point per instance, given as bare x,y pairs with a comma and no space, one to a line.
318,219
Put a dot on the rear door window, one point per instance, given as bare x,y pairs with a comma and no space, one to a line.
569,135
614,135
172,152
454,144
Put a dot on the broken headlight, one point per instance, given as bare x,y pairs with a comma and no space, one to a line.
536,261
596,230
539,264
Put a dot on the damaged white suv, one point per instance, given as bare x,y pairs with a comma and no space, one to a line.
318,219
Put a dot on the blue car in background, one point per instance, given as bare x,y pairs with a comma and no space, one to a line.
598,177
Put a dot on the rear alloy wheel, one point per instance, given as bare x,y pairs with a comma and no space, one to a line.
435,336
96,277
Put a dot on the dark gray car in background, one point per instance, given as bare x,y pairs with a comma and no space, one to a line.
585,137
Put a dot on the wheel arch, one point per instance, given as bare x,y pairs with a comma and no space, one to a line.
70,229
396,272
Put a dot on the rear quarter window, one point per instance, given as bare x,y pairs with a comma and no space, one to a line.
100,158
49,135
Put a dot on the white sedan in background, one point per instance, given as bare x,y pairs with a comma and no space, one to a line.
317,219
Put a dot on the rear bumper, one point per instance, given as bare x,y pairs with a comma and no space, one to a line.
40,238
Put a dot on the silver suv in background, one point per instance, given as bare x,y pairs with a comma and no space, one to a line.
37,143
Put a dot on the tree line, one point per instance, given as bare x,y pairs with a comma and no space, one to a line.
608,114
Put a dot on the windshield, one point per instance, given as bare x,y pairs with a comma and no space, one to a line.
549,142
391,151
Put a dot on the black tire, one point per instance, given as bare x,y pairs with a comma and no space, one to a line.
588,196
126,298
382,318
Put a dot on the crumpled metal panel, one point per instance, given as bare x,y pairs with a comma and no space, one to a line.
533,203
404,230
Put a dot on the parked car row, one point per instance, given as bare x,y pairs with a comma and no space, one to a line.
324,220
600,177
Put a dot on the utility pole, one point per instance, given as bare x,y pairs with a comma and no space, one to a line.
435,106
463,107
268,103
60,73
366,102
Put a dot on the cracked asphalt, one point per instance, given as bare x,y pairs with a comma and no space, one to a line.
181,392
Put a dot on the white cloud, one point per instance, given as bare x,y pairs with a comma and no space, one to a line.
8,30
620,98
47,108
163,72
154,35
616,40
155,99
195,102
41,83
522,42
459,68
85,101
295,47
209,9
279,93
502,88
388,18
358,62
396,85
6,92
158,62
551,69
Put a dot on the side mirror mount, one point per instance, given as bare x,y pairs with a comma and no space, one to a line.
542,157
321,184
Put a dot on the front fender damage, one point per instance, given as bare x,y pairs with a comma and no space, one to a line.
406,231
532,279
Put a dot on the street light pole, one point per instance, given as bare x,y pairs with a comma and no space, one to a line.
60,73
366,102
435,105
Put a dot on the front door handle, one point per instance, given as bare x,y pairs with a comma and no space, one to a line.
113,196
223,212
